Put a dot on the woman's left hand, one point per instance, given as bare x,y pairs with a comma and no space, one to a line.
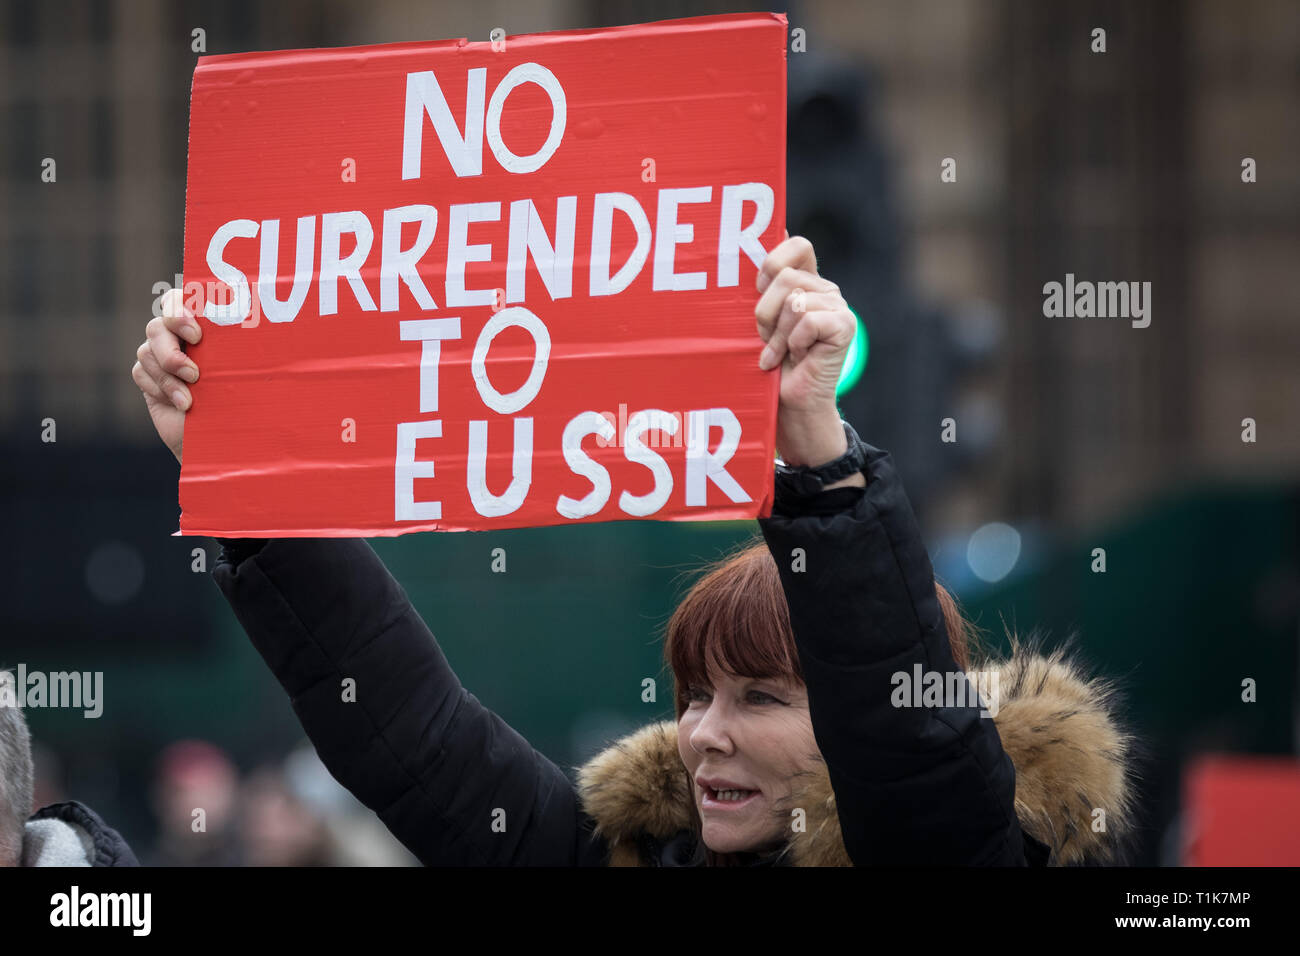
807,328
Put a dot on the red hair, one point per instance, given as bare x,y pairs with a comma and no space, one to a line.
735,620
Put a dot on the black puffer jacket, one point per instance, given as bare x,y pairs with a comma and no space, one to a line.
902,785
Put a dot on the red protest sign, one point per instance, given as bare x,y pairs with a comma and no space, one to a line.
470,285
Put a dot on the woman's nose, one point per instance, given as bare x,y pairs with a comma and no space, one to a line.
714,731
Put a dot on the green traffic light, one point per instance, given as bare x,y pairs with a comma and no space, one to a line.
856,360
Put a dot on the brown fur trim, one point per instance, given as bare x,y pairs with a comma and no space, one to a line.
1071,755
639,785
1058,727
821,844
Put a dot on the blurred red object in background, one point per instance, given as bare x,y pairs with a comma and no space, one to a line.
1242,811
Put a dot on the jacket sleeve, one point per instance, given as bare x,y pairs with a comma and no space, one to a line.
446,775
927,785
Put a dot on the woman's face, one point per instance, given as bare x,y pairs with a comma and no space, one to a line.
749,735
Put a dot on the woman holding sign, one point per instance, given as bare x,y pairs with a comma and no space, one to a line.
826,697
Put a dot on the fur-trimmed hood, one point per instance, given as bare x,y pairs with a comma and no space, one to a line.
1059,727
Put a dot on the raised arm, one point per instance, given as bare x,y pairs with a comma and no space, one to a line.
912,784
372,688
388,716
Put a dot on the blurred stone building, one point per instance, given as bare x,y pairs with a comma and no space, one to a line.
1117,166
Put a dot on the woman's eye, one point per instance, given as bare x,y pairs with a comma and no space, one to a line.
758,697
694,694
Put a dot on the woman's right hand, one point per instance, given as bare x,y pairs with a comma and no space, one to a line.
163,371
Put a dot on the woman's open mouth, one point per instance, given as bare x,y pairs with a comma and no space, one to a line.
712,799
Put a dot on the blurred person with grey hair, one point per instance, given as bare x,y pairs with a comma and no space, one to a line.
62,834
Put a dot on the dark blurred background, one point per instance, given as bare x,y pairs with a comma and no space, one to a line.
1072,434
